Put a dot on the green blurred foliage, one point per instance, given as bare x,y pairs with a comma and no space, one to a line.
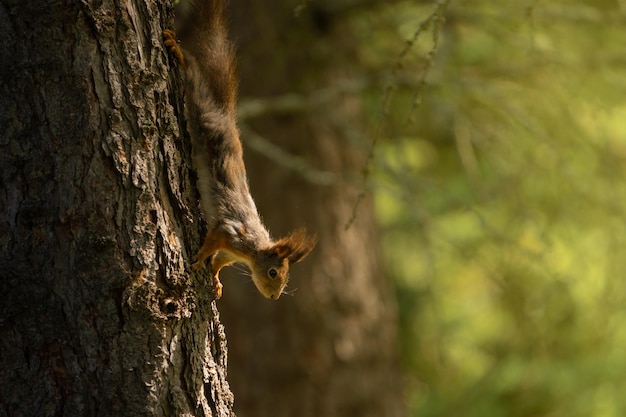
498,177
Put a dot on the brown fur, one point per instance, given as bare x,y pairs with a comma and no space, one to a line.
236,233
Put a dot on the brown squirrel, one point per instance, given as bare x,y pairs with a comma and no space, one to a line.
235,230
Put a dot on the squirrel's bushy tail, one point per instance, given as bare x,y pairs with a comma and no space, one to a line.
202,29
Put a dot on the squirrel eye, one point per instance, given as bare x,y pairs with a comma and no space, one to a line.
272,273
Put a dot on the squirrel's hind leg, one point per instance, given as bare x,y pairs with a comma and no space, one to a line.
170,41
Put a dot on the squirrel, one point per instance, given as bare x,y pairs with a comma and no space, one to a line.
235,230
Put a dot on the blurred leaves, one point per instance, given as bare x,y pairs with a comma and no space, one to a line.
502,198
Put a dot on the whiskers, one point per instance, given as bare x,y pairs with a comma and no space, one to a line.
243,272
242,269
290,292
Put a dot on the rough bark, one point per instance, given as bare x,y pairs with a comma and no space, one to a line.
98,313
330,349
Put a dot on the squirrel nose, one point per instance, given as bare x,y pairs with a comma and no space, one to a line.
275,296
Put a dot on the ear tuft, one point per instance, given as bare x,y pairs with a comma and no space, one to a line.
295,246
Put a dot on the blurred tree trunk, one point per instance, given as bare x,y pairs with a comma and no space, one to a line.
330,349
99,315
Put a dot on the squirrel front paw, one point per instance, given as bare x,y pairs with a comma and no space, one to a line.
198,260
198,264
217,287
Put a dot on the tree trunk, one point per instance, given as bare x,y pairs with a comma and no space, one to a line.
98,215
330,349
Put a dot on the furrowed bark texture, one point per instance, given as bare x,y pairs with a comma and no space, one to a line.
98,312
330,349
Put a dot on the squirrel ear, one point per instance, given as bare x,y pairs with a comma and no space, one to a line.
281,251
295,246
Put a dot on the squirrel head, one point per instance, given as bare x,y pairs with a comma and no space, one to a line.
270,271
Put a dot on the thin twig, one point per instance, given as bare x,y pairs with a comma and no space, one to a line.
436,18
